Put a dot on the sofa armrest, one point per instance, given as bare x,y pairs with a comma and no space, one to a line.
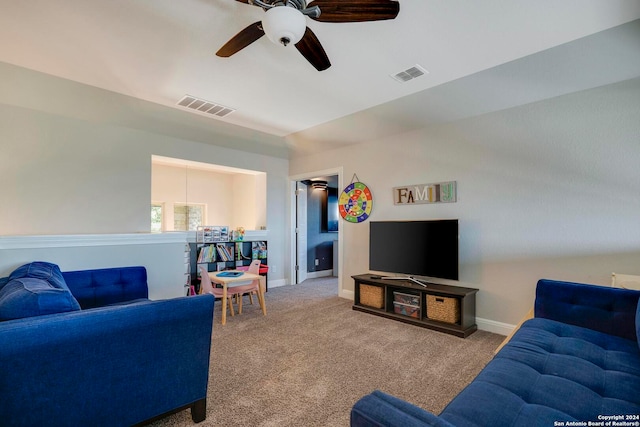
379,409
106,366
603,309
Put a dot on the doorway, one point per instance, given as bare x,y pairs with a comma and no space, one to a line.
315,237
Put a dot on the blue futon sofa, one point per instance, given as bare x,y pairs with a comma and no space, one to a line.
88,348
576,363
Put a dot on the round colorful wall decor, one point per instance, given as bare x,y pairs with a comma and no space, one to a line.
355,202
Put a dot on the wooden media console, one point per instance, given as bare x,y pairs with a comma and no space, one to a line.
438,305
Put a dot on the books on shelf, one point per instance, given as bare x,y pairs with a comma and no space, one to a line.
220,256
206,254
217,252
259,250
225,253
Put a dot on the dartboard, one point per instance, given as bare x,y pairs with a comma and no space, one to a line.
355,202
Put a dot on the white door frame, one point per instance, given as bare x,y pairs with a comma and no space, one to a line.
292,203
300,230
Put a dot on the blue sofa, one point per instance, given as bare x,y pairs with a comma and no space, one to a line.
88,348
577,360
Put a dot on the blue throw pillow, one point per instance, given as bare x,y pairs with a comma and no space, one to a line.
3,281
28,296
41,270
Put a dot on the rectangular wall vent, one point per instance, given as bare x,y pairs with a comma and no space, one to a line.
409,74
208,107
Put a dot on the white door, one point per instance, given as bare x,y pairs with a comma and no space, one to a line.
301,232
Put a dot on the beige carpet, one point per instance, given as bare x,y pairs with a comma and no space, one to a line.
312,357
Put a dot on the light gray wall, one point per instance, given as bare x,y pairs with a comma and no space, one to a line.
162,255
550,189
77,160
68,176
545,190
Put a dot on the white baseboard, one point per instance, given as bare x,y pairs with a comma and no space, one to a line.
345,293
495,327
277,283
321,273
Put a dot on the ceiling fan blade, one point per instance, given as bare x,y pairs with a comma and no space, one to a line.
241,40
355,10
309,46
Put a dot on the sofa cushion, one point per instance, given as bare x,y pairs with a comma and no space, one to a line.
105,286
552,371
30,296
604,309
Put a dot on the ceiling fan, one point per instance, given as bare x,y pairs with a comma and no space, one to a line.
284,23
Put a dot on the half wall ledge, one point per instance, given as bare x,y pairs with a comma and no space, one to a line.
75,240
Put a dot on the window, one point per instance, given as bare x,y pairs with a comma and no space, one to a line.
156,217
187,217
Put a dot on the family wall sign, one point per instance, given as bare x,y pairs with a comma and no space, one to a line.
440,192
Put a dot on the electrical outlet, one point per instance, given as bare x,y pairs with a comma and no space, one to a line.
317,262
273,269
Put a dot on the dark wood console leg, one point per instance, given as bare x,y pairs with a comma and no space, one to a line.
199,411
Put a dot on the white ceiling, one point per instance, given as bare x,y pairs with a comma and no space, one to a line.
160,50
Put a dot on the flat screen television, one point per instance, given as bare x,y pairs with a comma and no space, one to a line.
420,248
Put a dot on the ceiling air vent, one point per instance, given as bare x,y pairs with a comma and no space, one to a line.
207,107
409,74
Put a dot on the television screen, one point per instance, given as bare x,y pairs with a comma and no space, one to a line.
420,248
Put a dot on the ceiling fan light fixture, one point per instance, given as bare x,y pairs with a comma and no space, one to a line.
284,25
